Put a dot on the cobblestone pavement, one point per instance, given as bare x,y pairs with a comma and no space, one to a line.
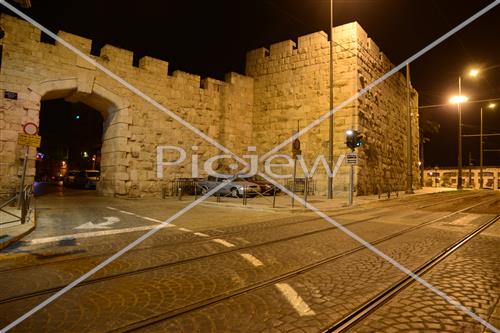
331,290
471,276
196,269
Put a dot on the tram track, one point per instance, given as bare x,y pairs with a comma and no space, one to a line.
268,282
198,241
356,316
239,249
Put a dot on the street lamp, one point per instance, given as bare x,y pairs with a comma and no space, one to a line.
481,181
458,100
474,72
330,118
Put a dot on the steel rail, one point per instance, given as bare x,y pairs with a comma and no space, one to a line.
382,298
264,283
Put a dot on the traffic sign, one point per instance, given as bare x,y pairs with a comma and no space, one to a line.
30,128
352,158
29,140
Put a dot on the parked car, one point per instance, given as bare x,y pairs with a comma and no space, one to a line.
87,178
69,179
235,188
265,187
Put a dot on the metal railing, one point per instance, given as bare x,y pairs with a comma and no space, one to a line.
24,201
191,187
388,190
307,186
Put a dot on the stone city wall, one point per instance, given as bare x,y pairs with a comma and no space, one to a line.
133,128
285,87
291,82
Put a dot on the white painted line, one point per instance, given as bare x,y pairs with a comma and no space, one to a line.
87,235
223,242
243,240
465,219
142,217
151,219
201,234
295,300
185,229
251,259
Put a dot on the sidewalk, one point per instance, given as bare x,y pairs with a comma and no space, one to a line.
11,229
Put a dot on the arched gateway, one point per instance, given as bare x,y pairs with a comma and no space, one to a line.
115,112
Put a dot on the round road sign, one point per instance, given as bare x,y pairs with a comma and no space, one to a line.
30,128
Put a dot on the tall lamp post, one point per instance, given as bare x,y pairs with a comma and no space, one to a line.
481,181
330,119
458,100
409,173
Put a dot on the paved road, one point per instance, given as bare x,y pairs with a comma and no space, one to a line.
233,270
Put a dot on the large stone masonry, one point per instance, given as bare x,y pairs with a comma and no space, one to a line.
285,86
133,128
291,88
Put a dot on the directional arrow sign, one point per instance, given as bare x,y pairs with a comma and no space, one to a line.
104,225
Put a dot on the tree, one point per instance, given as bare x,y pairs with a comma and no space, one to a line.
427,126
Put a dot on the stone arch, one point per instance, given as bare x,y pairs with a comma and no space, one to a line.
115,111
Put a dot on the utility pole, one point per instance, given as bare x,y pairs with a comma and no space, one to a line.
459,162
409,177
481,152
330,119
470,169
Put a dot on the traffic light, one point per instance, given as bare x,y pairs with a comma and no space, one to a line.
354,139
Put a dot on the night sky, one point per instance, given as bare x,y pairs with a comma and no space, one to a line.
211,38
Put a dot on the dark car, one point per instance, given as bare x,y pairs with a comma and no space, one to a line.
69,179
87,178
265,187
235,188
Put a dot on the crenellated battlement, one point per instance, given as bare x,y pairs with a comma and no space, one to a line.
348,36
18,30
81,43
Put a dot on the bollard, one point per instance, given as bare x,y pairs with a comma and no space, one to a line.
218,196
244,195
274,196
306,189
195,192
179,193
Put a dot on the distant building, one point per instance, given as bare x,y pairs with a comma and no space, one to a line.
447,177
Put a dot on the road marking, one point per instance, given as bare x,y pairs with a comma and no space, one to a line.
465,219
104,225
243,240
90,225
201,234
150,219
185,229
250,258
142,217
295,300
223,242
88,235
